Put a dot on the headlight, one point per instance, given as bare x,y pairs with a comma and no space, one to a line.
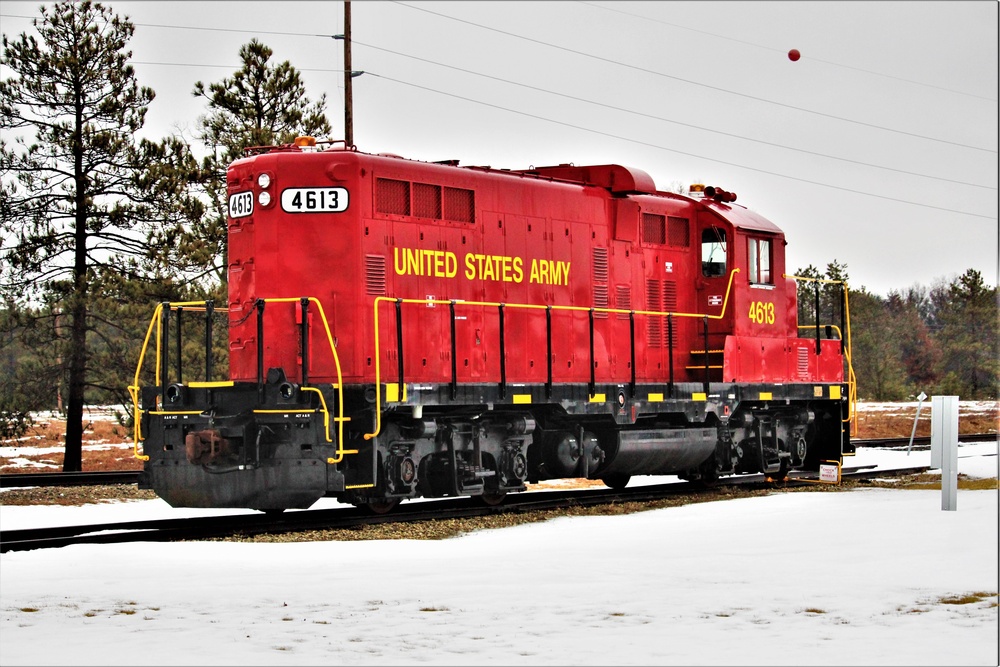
263,181
264,198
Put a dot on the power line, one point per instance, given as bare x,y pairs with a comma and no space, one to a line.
676,122
679,152
586,101
771,48
697,83
613,62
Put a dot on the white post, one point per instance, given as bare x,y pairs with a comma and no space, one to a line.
944,447
920,403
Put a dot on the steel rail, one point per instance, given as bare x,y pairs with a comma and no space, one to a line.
27,479
199,528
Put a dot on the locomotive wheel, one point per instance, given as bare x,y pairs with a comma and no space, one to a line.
492,499
381,506
616,481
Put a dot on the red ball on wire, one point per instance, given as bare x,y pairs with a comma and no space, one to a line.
794,55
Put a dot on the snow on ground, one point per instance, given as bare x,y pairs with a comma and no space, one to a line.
869,577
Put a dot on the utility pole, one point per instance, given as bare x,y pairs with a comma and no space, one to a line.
348,75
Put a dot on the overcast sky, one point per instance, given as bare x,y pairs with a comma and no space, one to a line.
877,149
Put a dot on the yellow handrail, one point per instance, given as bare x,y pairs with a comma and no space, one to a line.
340,378
133,389
526,306
852,380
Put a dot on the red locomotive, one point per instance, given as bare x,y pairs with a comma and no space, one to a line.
401,329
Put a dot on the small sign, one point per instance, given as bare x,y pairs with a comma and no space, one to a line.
715,300
828,473
668,267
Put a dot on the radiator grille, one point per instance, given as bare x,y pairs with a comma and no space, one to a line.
678,232
392,197
653,229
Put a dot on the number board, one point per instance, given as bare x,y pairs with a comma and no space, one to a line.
241,204
314,200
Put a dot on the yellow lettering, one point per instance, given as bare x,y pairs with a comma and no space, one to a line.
564,271
470,266
400,268
534,271
518,271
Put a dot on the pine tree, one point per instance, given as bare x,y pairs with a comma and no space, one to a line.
259,105
80,200
967,319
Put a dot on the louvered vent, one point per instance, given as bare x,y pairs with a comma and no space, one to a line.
677,232
656,323
600,275
623,300
392,197
375,275
802,360
661,296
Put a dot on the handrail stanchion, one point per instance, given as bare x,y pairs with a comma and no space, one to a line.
631,341
593,378
816,291
503,356
454,352
260,349
670,354
209,361
164,351
399,342
304,334
548,351
706,353
180,345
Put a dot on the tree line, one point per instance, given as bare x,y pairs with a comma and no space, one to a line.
97,224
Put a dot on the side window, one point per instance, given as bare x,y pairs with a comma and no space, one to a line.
713,252
759,262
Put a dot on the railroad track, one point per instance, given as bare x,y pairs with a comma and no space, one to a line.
17,479
13,480
168,530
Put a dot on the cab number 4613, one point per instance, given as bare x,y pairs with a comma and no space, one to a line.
314,200
762,312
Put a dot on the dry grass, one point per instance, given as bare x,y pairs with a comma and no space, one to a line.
107,446
899,424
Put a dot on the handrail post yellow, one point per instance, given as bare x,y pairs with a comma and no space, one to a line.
154,323
493,304
852,381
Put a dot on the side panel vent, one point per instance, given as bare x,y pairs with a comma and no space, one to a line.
375,275
600,275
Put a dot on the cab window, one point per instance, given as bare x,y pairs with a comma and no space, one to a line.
759,262
713,252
